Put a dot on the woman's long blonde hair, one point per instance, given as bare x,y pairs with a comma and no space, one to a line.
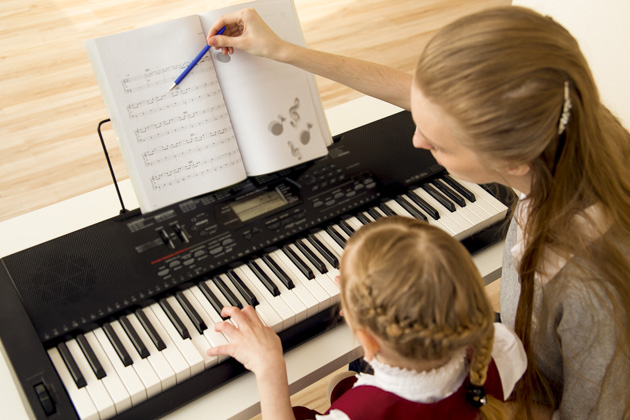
500,74
418,290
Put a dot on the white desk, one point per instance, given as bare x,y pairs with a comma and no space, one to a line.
239,398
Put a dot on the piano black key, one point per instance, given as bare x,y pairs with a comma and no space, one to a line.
242,288
264,278
411,209
133,336
449,192
469,195
72,366
374,213
200,326
362,219
305,269
431,211
279,272
386,209
172,316
117,345
439,197
212,298
227,292
319,265
341,241
150,329
346,227
326,253
90,356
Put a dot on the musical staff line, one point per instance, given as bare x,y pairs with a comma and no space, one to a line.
185,121
187,147
194,169
152,78
173,99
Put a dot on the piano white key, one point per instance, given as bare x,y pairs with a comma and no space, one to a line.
142,366
305,294
186,347
330,243
85,408
266,314
326,280
203,307
172,353
465,225
355,223
290,298
489,202
112,382
318,292
156,358
127,374
198,339
99,395
283,310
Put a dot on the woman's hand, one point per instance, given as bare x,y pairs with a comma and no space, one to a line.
245,30
253,344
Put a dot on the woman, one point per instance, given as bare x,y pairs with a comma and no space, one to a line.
506,96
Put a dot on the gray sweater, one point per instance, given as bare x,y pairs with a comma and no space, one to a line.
576,340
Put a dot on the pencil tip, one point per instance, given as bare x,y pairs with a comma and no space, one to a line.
171,88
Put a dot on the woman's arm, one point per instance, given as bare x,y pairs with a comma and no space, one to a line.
245,30
259,349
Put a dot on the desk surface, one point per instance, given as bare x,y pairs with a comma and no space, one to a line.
239,398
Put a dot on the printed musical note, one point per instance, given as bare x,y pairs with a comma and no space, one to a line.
275,126
305,135
295,117
295,151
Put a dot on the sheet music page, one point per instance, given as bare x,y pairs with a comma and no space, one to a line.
176,144
275,108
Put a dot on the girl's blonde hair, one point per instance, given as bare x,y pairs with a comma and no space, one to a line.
418,290
501,74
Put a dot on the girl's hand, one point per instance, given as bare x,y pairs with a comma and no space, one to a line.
253,344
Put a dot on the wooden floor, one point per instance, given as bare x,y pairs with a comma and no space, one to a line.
50,104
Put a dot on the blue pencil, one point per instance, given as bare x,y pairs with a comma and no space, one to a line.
194,62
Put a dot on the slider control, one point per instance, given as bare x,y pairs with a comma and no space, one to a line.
180,233
166,239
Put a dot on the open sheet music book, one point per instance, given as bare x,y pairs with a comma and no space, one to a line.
231,117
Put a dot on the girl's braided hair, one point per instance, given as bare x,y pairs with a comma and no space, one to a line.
417,289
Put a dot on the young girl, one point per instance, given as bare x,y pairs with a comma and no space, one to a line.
505,95
416,302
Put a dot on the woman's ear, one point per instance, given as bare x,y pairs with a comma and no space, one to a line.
368,341
517,170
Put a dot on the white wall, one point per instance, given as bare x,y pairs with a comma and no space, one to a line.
602,27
